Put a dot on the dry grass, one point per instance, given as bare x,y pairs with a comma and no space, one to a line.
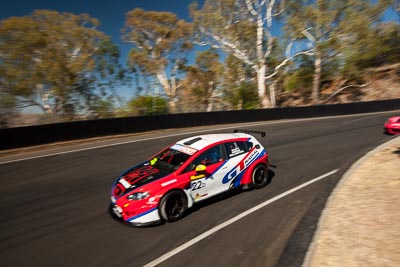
361,225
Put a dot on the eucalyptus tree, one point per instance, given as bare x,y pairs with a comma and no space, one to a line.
159,41
203,79
147,105
7,108
240,87
396,7
329,26
244,28
48,59
375,48
109,73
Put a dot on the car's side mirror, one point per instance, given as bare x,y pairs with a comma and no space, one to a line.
201,168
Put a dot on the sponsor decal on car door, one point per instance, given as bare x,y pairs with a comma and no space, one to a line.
242,155
205,184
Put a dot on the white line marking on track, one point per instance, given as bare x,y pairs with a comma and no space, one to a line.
233,220
193,132
135,141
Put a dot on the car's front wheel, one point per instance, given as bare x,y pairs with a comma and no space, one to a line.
173,206
260,176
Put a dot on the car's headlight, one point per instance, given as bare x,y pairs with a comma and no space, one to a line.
138,196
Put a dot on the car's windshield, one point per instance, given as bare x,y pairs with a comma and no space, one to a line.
170,159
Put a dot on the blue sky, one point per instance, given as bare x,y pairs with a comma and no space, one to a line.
111,14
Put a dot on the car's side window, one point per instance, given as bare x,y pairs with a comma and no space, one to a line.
234,149
210,156
249,146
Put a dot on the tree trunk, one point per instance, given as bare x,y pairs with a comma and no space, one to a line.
172,105
46,106
170,92
264,101
210,106
317,77
210,96
272,93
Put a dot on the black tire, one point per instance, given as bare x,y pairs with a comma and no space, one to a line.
259,177
173,206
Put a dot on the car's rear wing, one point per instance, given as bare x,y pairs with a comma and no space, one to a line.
249,132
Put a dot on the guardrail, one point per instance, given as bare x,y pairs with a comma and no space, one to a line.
42,134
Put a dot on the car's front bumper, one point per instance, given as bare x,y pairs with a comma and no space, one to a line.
392,130
149,218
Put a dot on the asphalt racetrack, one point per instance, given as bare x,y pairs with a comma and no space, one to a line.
54,208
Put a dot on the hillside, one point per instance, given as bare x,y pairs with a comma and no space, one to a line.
379,84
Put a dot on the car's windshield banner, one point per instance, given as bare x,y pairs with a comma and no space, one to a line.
184,149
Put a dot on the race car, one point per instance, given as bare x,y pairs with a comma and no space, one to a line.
163,187
392,125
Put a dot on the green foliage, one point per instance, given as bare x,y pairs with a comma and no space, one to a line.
243,96
102,108
55,57
300,77
216,18
7,108
340,32
7,103
155,35
240,90
110,74
147,105
159,39
202,80
373,48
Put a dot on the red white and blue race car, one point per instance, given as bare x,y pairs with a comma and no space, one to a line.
191,170
392,125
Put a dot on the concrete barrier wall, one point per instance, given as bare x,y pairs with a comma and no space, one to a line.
42,134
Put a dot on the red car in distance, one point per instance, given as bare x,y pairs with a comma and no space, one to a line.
392,125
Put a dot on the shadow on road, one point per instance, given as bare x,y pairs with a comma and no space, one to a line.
197,206
226,195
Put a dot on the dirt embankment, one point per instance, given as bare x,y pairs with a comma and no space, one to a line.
361,223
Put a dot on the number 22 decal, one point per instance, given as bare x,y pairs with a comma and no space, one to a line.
196,185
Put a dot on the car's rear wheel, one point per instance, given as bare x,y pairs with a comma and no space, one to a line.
173,206
260,176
